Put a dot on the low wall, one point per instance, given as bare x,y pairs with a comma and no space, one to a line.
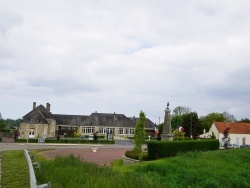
127,161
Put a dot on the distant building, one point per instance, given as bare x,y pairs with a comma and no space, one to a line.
238,132
40,122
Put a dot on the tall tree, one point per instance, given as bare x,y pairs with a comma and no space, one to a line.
160,131
2,124
140,134
176,121
181,110
207,121
191,124
229,117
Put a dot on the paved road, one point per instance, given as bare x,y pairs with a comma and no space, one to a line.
21,146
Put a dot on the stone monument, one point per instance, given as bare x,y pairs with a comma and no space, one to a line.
167,128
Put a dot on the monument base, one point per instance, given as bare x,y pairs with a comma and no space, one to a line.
167,137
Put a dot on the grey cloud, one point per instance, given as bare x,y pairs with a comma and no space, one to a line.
126,55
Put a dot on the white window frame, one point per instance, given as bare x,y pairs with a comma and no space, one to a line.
88,130
131,131
120,131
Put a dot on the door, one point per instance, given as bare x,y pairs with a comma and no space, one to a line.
32,133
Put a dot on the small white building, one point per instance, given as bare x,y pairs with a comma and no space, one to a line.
238,132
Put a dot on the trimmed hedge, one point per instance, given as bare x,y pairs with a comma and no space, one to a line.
68,141
164,149
133,155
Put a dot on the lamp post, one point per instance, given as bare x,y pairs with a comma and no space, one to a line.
191,131
27,136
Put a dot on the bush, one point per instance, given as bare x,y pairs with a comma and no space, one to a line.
168,149
30,140
75,141
68,136
134,155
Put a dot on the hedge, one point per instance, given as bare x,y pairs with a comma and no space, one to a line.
68,141
164,149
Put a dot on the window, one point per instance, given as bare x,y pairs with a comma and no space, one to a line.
104,130
88,130
120,131
131,131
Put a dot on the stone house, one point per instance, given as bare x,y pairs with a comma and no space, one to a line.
238,132
40,122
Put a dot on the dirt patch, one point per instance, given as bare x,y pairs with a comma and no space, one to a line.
103,156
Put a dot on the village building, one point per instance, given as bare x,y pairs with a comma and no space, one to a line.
239,133
40,122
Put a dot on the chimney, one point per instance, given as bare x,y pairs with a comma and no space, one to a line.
48,107
34,105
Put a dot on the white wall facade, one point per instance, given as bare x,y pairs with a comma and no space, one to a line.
234,138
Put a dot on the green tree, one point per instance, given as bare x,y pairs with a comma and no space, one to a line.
176,121
207,121
2,124
140,134
245,120
160,131
181,110
229,117
191,124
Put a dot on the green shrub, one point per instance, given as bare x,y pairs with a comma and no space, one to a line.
30,140
71,141
168,149
134,155
0,139
68,136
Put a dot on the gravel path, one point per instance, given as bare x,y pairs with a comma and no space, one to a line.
103,156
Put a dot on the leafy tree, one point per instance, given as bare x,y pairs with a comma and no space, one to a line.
246,120
207,121
181,110
188,120
1,116
229,117
2,124
12,123
140,134
176,121
160,131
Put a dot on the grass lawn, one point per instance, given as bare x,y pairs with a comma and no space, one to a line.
224,168
15,172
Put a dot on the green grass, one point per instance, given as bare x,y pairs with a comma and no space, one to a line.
15,172
224,168
71,172
227,168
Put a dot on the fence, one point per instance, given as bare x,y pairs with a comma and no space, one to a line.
33,182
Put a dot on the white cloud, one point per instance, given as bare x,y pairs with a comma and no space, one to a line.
124,56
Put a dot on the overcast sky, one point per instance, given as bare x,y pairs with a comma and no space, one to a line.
125,56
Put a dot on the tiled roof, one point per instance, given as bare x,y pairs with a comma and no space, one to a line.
69,119
40,114
235,128
107,120
37,115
